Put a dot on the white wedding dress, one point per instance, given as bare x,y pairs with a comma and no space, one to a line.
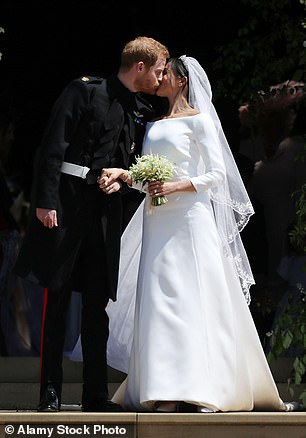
187,334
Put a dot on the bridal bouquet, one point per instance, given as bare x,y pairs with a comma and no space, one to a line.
149,168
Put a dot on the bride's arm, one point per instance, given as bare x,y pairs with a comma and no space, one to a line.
211,153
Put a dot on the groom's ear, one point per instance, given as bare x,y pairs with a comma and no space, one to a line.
140,66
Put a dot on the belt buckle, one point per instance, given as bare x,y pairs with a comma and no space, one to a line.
85,170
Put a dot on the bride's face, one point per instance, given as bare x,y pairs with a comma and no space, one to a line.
169,84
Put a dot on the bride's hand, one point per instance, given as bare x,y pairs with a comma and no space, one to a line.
158,188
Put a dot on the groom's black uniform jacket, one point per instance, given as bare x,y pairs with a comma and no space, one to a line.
95,123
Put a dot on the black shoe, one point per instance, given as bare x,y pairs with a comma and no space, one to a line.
102,406
49,401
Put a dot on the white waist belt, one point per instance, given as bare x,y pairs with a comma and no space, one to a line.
74,169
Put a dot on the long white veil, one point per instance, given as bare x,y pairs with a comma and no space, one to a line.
231,203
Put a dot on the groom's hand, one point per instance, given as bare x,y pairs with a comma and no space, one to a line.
108,185
47,217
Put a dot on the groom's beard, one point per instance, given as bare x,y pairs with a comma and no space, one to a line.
146,86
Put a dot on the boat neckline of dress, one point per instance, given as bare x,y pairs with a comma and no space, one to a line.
175,118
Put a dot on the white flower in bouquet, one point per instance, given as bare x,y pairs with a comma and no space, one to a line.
149,168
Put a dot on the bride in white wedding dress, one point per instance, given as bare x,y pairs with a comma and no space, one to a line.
186,334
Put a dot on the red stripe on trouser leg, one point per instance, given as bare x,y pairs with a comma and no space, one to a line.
43,328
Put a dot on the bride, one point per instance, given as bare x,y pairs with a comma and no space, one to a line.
181,327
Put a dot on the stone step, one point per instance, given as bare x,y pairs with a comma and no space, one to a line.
26,369
140,425
24,396
19,382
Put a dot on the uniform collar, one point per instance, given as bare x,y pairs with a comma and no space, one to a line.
116,89
134,101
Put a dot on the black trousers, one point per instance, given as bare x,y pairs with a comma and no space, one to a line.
94,336
90,266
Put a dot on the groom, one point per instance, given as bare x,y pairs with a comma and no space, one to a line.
73,237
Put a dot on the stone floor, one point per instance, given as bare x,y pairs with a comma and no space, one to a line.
72,422
19,390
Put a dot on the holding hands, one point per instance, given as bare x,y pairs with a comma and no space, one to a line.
109,180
